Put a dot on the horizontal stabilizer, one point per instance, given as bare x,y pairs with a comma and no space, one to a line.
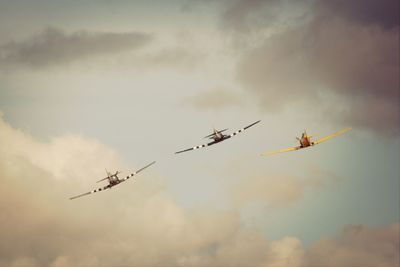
102,179
214,133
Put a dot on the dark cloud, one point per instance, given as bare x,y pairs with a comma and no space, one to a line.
279,71
194,5
215,99
376,113
354,59
53,46
384,13
243,16
170,57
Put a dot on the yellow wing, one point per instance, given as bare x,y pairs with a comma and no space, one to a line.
331,136
281,151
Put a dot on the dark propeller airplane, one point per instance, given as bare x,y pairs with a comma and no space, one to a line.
113,180
305,141
217,137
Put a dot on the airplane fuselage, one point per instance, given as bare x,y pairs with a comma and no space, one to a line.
114,182
305,141
113,179
218,137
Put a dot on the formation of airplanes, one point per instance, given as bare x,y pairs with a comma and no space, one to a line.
217,136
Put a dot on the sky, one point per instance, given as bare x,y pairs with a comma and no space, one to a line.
88,85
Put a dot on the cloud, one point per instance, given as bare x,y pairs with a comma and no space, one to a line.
65,158
285,252
215,99
338,50
177,57
278,190
137,223
242,16
275,190
382,13
277,72
372,112
358,245
248,23
54,47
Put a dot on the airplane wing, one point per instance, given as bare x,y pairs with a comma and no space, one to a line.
197,147
241,130
281,151
136,172
91,192
331,136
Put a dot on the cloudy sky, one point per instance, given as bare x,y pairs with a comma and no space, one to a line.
87,85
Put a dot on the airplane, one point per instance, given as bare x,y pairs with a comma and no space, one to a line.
305,141
217,137
113,180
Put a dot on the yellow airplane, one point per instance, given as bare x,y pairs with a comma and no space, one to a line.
305,141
